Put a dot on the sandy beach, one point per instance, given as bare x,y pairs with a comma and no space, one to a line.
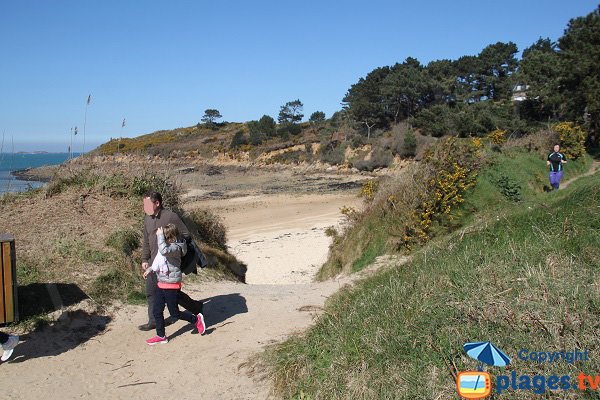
281,237
277,230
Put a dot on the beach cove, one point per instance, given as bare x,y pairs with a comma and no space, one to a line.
276,222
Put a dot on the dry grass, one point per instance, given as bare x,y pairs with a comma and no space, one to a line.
67,233
540,142
84,230
198,139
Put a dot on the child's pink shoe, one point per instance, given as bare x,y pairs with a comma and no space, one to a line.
157,340
200,325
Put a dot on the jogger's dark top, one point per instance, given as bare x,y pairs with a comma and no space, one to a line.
556,160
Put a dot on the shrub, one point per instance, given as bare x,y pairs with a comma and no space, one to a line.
444,179
330,231
407,210
497,136
308,150
169,191
290,157
208,227
289,129
317,117
435,120
380,158
238,140
409,145
124,241
369,189
267,125
572,139
357,140
260,129
332,153
256,138
539,142
509,188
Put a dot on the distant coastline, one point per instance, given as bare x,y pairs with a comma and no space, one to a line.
23,170
27,175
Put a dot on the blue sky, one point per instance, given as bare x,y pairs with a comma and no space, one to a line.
160,64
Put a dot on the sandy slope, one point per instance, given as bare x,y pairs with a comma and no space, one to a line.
281,238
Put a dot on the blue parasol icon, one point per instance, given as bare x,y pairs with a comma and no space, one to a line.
486,352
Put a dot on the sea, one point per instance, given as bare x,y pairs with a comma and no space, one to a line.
18,161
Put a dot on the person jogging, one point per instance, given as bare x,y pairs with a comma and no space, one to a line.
555,161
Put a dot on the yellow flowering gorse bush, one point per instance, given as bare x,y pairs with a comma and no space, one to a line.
572,139
497,136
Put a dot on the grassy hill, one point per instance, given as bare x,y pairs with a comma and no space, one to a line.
192,140
82,232
520,271
330,142
455,179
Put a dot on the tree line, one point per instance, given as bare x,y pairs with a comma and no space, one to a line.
469,96
475,94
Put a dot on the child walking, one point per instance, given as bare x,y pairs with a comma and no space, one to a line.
166,265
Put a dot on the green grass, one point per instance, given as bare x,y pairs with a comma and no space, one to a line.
28,271
525,277
124,241
117,283
527,171
376,247
71,248
373,239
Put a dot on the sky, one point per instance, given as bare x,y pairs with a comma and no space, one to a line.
161,64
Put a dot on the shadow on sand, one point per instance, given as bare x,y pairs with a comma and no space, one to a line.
217,309
70,330
43,298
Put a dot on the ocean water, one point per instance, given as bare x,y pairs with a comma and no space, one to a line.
15,162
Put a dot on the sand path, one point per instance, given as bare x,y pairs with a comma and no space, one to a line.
98,357
117,364
592,170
